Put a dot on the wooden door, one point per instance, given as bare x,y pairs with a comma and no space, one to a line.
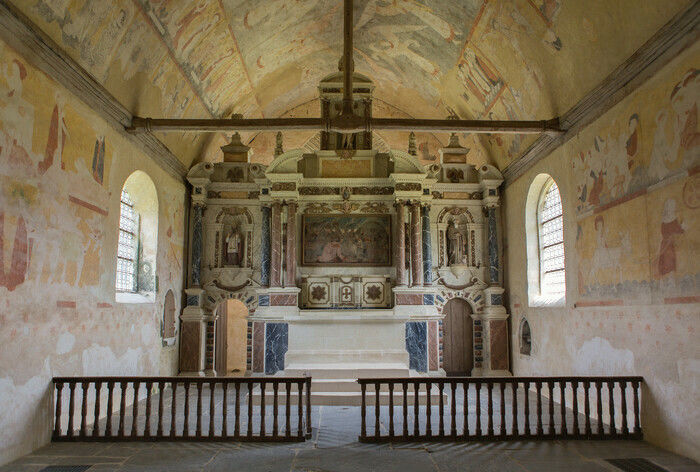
457,338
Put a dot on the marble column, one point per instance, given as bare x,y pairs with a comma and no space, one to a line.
291,262
493,247
416,246
265,248
400,244
197,239
276,246
427,246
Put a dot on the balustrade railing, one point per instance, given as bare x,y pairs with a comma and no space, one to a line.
181,408
500,408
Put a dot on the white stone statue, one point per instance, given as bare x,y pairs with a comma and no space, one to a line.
233,248
456,249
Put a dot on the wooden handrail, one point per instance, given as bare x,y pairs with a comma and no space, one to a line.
136,415
496,418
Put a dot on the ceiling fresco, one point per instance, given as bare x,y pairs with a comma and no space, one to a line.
487,59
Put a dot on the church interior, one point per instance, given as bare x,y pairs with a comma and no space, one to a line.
320,208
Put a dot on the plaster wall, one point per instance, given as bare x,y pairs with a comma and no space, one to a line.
61,173
629,187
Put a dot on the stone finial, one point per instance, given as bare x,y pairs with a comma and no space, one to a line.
235,151
454,141
412,150
279,149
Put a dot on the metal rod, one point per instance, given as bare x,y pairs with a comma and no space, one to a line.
139,124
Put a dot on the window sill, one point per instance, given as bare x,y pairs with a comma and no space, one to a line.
547,301
134,298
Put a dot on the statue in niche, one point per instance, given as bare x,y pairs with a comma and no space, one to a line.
456,244
234,253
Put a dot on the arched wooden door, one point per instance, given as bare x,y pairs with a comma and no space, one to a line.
457,340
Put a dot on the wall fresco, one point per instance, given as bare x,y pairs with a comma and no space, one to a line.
59,208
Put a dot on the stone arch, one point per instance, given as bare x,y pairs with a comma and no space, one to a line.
233,211
455,211
142,192
475,298
525,337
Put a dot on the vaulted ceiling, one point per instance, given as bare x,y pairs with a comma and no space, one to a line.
488,59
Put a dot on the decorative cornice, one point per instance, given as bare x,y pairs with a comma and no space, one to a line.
20,33
675,36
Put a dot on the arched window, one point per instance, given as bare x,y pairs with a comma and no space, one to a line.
550,227
168,327
135,280
544,230
525,338
127,253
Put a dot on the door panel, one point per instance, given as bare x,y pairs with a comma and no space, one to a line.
457,337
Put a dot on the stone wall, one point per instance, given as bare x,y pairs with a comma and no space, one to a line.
59,212
629,185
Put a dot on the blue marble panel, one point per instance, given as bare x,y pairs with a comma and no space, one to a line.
428,299
276,337
493,247
497,299
265,248
440,299
263,300
417,345
196,245
192,300
427,245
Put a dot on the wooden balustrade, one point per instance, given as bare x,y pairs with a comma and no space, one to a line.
141,411
505,418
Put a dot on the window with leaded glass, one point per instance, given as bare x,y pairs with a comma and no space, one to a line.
551,241
127,251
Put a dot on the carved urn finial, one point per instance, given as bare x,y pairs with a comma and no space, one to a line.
412,144
279,149
235,151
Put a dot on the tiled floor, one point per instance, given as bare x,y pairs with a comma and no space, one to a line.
334,447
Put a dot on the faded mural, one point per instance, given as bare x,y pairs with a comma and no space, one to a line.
59,204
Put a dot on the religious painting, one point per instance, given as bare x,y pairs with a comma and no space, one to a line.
346,240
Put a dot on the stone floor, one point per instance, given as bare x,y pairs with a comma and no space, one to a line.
334,447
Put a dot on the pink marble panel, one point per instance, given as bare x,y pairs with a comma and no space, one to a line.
498,344
258,346
409,299
433,360
285,299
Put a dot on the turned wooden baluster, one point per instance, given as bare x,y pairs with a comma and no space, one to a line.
551,408
288,410
391,410
135,412
83,408
237,413
479,431
122,408
587,408
110,391
623,407
502,430
611,387
173,410
637,426
71,409
198,431
57,418
96,415
212,404
489,405
538,387
147,429
428,409
263,386
161,388
514,408
574,388
308,407
453,409
405,409
441,408
599,407
363,412
224,411
562,395
301,410
377,386
186,426
416,417
526,387
249,431
275,428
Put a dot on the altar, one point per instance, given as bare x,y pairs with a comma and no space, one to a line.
351,261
